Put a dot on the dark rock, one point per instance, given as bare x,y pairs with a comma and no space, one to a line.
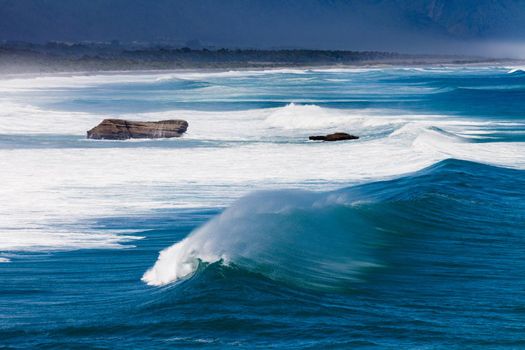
338,136
120,129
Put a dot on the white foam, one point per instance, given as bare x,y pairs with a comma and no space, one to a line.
21,119
53,187
45,239
50,195
64,82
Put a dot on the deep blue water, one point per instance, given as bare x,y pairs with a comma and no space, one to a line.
429,259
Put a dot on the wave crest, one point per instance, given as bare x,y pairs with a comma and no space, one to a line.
295,236
517,71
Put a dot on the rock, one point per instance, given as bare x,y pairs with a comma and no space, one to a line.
120,129
338,136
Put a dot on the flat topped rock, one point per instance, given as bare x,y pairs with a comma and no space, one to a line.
338,136
120,129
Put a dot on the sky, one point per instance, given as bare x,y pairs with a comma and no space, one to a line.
413,26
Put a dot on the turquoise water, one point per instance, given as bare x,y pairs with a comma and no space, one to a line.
410,237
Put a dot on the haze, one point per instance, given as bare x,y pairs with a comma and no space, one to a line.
491,27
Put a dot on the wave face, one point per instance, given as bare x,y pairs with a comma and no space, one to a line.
328,240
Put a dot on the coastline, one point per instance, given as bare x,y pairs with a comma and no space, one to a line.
42,60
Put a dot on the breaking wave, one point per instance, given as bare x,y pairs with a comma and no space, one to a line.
330,240
517,71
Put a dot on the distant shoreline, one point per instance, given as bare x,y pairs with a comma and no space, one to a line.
22,58
55,73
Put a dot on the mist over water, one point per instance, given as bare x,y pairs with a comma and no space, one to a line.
243,233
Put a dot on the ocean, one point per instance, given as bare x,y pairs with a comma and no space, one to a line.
245,234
